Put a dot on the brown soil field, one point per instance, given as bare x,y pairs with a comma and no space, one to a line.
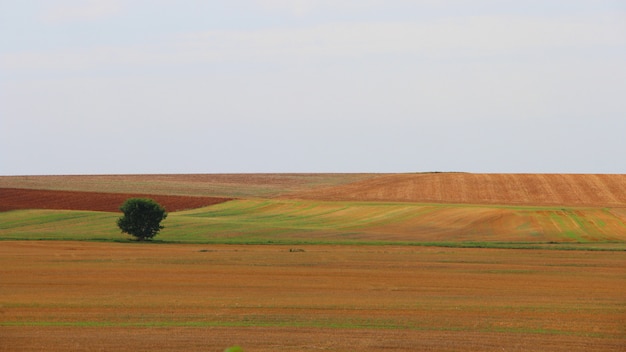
81,296
209,185
15,198
597,190
466,188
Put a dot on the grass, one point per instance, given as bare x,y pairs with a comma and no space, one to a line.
369,324
315,222
58,225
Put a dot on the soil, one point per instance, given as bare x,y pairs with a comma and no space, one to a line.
208,185
15,198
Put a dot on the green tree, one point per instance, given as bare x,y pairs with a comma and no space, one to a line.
142,218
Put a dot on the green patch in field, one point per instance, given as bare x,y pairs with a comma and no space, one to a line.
287,322
58,225
317,222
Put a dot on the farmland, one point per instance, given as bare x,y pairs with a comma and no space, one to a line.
15,198
305,262
314,222
466,188
85,296
212,185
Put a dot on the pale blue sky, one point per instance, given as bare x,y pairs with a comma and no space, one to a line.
184,86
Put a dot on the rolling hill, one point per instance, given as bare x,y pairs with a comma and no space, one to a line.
596,190
465,188
206,185
329,208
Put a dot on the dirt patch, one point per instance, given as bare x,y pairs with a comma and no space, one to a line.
15,198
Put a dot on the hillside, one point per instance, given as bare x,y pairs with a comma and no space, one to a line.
595,190
206,185
465,188
439,207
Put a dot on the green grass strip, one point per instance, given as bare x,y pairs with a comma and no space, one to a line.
369,325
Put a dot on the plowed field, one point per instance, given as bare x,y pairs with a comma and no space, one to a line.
14,198
208,185
80,296
465,188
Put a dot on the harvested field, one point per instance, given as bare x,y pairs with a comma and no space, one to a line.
208,185
82,296
15,198
463,188
466,188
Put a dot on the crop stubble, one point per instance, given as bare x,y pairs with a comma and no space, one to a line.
83,296
600,190
464,188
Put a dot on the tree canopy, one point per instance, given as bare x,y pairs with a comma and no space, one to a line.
142,218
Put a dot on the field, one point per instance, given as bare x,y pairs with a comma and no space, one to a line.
466,188
83,296
16,198
315,222
309,262
212,185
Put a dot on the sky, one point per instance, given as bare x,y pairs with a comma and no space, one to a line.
245,86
